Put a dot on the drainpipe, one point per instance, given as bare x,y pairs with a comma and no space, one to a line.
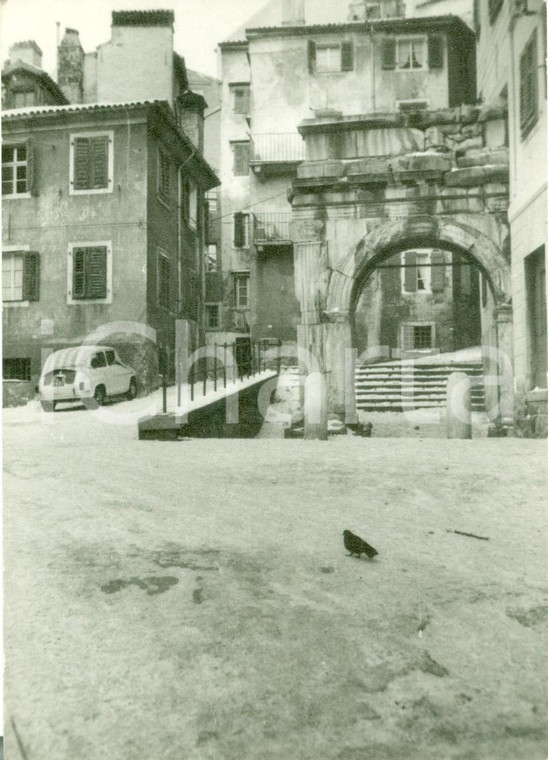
373,96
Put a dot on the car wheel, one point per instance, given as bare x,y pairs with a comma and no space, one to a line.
100,395
48,406
132,392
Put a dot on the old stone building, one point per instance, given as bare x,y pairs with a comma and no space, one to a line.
511,39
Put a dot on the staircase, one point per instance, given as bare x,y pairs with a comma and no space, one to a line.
401,387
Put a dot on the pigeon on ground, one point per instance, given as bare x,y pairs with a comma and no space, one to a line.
357,545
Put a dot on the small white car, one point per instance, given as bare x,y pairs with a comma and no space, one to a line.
85,373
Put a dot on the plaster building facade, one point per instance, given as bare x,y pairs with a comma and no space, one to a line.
128,181
511,38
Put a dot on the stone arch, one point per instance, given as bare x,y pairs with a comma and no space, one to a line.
346,283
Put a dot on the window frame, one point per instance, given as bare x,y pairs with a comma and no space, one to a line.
240,277
208,313
413,325
245,89
15,164
110,162
427,254
209,257
71,301
25,253
234,145
409,40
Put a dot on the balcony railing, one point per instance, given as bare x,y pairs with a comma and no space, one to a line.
271,228
277,148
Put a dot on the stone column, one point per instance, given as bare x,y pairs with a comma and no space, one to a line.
338,354
503,316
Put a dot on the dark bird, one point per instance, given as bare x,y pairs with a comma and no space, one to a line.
357,545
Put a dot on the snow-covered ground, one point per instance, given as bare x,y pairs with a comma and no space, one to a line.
193,600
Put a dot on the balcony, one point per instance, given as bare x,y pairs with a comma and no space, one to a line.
276,153
271,228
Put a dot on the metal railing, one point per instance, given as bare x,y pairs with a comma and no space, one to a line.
269,228
231,362
277,147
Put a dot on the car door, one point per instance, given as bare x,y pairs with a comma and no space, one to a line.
119,374
97,372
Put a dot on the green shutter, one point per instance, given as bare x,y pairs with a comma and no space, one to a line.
82,178
96,272
528,91
438,272
241,159
311,56
410,271
388,53
99,162
435,52
347,56
31,276
78,272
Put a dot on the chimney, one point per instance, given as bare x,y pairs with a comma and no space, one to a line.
70,66
293,13
191,117
28,52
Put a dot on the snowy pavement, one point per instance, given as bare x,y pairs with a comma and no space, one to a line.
193,600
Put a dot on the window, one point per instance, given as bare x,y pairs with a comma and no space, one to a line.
535,283
16,169
24,99
91,163
163,175
111,357
423,271
89,272
494,9
240,151
411,54
20,276
417,336
528,86
241,230
241,283
211,260
330,57
240,98
189,203
163,280
16,369
98,360
211,198
212,315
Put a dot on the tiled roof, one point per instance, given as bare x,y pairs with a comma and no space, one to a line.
423,23
39,73
74,108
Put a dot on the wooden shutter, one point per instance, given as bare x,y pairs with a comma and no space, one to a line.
528,95
410,271
96,272
99,162
241,158
311,55
438,272
81,158
239,230
388,52
31,276
30,167
435,51
347,56
78,272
